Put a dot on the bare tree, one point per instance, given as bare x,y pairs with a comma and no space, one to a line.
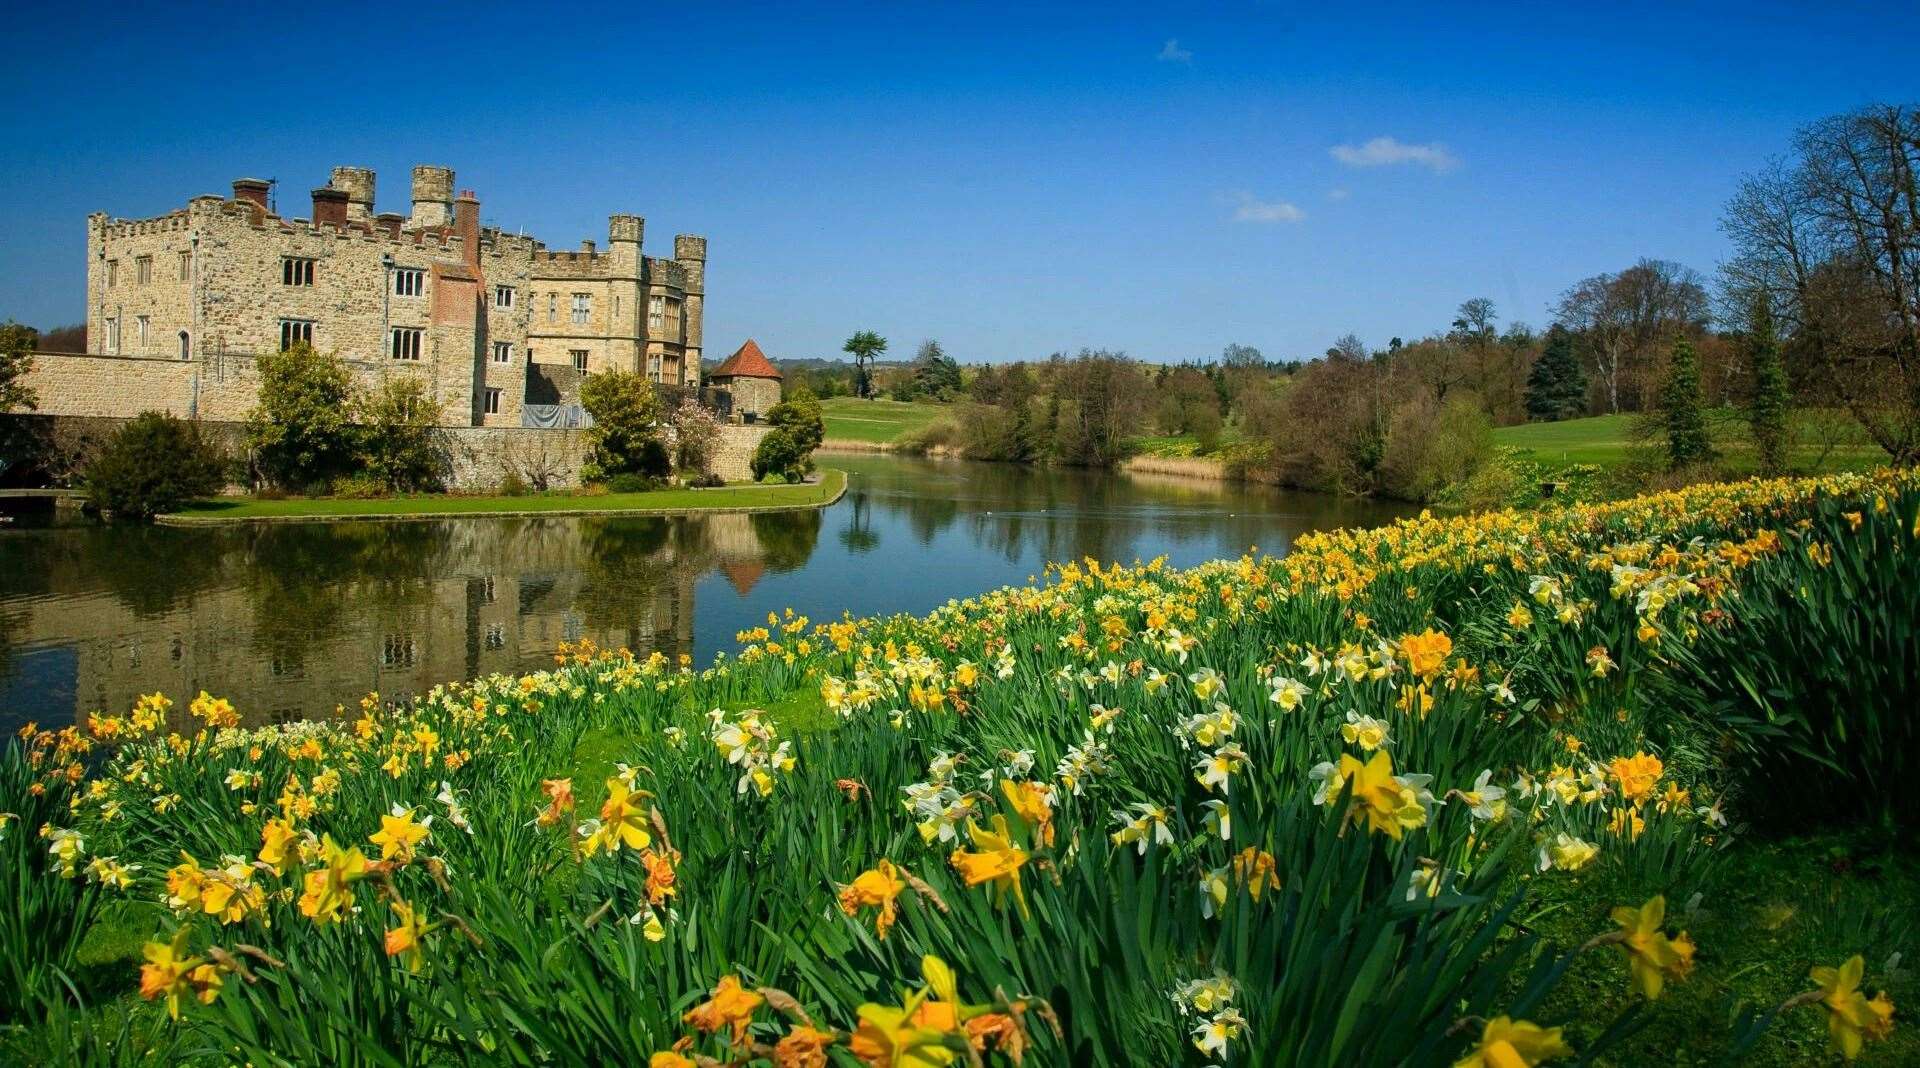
1831,240
1628,319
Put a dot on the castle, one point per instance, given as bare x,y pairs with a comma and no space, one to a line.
499,327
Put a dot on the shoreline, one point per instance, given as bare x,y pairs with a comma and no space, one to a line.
827,475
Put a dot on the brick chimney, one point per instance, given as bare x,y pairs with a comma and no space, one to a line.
466,224
330,207
252,191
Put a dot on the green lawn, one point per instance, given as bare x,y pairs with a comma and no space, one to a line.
877,421
1608,440
668,500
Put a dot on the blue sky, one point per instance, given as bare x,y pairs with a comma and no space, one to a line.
1010,180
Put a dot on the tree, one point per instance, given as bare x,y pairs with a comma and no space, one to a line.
1769,404
1624,318
1556,387
301,429
17,343
625,436
864,346
935,375
695,435
154,463
1832,238
1680,415
400,438
1101,399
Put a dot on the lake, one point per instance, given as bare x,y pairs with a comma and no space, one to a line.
290,620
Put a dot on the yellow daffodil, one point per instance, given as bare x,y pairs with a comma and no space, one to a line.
1509,1043
878,887
1852,1017
730,1007
995,860
1652,955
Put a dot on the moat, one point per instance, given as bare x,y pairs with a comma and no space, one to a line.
290,620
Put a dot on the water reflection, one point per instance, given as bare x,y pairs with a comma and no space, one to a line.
289,620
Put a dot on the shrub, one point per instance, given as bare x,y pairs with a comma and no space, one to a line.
625,436
360,486
779,458
301,431
400,440
632,482
512,485
155,463
706,480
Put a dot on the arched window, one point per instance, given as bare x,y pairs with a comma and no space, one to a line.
186,346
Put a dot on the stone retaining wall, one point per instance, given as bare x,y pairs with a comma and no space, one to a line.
478,458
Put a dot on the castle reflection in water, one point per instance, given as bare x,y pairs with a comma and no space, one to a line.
288,621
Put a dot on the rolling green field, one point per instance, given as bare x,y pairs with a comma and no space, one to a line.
658,501
877,422
1609,440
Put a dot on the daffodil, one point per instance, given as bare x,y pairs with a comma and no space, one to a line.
1509,1043
1852,1017
399,835
995,860
330,889
878,887
729,1007
1651,954
404,940
623,821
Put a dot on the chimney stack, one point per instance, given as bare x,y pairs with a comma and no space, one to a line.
466,223
252,191
357,183
330,207
432,197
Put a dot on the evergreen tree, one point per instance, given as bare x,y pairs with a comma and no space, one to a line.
1680,415
1767,411
1557,385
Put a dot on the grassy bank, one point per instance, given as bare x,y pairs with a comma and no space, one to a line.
1365,804
1610,441
877,422
657,502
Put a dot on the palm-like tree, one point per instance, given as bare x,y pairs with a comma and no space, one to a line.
863,347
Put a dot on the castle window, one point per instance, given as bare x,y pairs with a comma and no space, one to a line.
295,332
616,305
113,335
582,308
496,636
397,651
503,352
143,269
295,271
405,343
673,320
492,402
186,346
140,330
186,266
579,359
656,314
503,296
409,282
552,302
113,273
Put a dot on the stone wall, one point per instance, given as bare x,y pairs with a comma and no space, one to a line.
754,395
478,458
733,457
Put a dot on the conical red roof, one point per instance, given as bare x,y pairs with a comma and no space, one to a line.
749,362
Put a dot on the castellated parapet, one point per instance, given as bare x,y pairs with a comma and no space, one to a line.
434,294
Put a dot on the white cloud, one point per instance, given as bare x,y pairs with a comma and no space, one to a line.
1388,152
1171,52
1253,209
1337,194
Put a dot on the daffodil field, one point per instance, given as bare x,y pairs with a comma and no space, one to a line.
1306,810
